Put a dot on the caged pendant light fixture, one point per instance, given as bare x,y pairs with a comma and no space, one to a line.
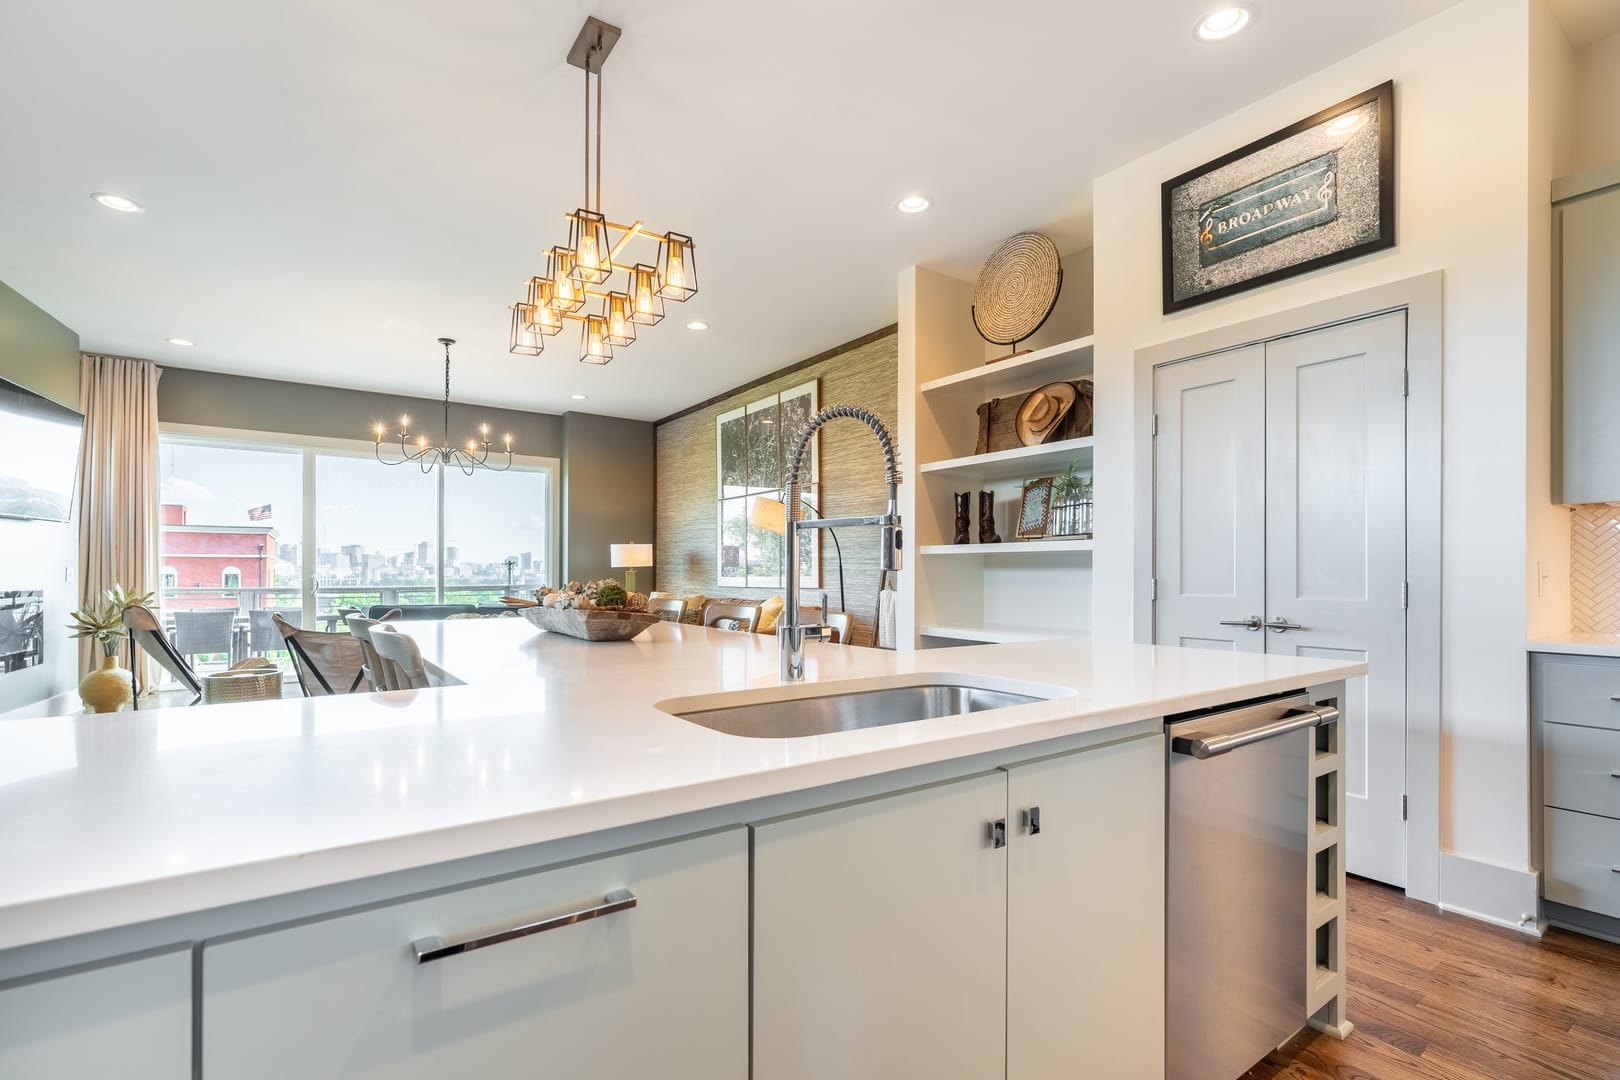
578,285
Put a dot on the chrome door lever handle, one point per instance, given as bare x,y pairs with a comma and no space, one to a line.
1279,624
1251,623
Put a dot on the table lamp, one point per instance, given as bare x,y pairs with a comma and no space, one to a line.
771,515
627,557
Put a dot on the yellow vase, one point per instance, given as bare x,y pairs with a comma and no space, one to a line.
106,689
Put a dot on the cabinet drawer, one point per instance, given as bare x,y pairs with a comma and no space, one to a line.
659,989
1581,766
131,1020
1582,853
1577,690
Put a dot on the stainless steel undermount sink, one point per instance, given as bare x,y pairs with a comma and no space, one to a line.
824,714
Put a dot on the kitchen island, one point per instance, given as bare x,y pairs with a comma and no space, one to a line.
244,886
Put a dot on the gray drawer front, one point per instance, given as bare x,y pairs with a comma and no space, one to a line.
1576,690
1581,855
1582,769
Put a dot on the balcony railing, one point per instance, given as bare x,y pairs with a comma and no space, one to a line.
329,598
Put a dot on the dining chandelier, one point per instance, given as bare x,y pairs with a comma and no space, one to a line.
579,284
474,455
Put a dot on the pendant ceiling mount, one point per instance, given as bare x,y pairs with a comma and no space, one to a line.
579,284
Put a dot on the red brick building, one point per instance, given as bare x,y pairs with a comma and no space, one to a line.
215,557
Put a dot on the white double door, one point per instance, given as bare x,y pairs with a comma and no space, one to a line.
1280,527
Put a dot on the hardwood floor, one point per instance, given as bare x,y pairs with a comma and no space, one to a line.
1449,997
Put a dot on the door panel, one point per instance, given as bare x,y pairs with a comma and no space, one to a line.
1336,551
880,938
1210,482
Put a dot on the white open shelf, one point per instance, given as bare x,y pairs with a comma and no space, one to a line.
1009,547
1021,462
1003,378
1001,633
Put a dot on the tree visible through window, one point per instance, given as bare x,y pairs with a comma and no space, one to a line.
752,446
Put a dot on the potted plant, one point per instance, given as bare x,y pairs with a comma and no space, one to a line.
107,688
1071,499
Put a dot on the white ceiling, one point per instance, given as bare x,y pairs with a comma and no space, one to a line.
330,186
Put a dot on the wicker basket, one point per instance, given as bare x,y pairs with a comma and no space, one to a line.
254,679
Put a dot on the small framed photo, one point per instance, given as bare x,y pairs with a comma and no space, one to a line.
1035,508
1316,193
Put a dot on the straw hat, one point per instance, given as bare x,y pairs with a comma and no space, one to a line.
1043,411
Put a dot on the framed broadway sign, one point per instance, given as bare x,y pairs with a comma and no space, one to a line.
1315,193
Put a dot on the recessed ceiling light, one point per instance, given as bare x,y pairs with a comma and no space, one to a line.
576,397
1223,23
913,204
697,324
184,343
122,203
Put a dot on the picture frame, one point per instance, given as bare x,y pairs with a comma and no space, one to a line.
1034,509
1315,193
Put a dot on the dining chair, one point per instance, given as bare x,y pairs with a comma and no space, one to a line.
378,672
725,615
263,636
669,609
325,663
843,625
203,632
401,651
145,632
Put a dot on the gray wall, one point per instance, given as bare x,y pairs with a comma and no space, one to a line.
41,354
607,463
608,486
851,479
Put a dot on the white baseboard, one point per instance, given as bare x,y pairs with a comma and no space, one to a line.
1494,894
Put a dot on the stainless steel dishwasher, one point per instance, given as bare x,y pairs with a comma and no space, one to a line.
1236,875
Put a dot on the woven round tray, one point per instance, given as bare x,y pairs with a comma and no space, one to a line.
1017,288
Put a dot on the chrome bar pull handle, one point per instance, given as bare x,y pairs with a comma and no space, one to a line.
434,948
1032,821
1279,624
1251,623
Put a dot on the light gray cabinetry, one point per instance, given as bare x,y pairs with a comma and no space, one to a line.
1576,702
657,989
130,1020
1588,229
909,936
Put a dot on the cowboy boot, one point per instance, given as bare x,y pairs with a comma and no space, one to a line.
964,516
987,518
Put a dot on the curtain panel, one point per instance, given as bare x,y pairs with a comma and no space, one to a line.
118,486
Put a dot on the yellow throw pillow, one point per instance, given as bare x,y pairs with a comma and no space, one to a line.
769,612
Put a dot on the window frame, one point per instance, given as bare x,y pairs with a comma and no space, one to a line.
311,447
810,487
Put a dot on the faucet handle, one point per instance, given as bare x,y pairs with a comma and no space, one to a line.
893,541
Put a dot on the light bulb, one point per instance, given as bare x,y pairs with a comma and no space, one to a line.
644,298
404,422
675,275
471,446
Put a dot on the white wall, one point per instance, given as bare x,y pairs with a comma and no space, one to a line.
1463,186
1597,111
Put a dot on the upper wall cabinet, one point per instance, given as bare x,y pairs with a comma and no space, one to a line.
1587,228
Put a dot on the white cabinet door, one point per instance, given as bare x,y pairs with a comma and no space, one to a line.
880,939
130,1020
1085,915
656,990
1210,505
1336,553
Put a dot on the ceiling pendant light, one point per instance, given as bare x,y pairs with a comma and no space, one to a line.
579,272
475,454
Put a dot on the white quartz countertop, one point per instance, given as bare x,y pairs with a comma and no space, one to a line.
117,819
1573,644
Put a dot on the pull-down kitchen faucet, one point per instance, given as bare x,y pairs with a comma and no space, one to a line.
789,629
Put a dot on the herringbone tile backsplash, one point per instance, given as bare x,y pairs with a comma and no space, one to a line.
1594,568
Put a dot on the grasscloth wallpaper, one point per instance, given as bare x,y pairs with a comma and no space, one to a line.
851,480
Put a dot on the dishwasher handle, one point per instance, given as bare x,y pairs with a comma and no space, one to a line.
1207,746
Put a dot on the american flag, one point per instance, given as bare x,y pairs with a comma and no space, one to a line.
259,513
